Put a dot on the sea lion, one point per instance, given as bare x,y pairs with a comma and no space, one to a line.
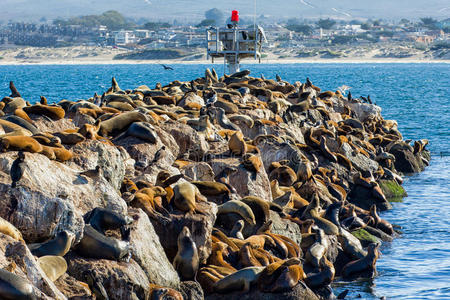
53,266
118,123
13,105
242,119
53,112
223,177
162,293
281,276
322,278
9,229
366,264
20,143
332,213
236,231
211,188
102,219
324,224
140,130
59,245
185,196
96,245
186,260
381,224
236,144
22,122
252,162
17,168
70,138
238,281
317,250
218,114
62,154
238,207
285,175
95,284
13,287
14,91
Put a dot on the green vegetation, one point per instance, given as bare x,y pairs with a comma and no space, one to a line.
156,25
440,45
429,23
111,19
326,23
300,28
343,39
392,189
153,54
263,55
364,237
1,57
206,23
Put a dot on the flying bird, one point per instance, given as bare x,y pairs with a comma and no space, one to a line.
166,67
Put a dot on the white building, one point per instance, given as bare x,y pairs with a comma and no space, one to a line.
124,37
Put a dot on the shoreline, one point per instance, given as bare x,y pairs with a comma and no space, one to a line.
205,62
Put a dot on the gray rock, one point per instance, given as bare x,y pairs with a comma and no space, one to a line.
148,252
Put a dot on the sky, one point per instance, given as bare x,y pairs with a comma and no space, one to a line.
193,10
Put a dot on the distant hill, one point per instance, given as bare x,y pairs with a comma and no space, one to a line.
193,10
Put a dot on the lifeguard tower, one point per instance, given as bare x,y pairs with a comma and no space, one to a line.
234,44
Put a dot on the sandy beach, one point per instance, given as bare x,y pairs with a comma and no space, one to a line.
85,55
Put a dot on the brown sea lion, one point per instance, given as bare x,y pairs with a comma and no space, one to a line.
238,281
186,260
53,112
53,266
13,287
120,122
237,144
59,245
9,229
185,196
366,264
20,143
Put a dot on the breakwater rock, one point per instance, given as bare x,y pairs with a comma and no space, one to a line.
209,189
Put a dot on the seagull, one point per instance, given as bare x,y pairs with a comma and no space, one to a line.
344,88
211,100
166,67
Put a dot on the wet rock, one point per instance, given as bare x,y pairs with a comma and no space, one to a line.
363,197
405,160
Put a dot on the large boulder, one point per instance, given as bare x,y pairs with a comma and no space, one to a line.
148,252
120,279
245,182
51,197
201,225
111,160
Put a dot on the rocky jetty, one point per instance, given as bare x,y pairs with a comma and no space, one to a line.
209,189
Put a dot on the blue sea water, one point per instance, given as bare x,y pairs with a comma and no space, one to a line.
414,266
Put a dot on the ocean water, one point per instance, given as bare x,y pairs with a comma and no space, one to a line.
416,265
